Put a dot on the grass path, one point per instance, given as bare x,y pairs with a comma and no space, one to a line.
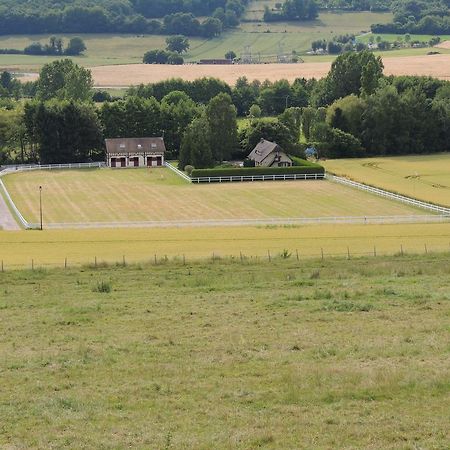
425,177
107,195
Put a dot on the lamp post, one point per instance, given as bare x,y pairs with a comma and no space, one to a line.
40,205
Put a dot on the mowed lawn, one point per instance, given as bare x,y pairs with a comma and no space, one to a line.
107,195
282,355
426,177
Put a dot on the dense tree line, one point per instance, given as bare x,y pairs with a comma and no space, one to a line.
121,16
418,17
54,47
292,10
354,111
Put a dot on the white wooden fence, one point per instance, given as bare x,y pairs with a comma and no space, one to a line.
400,198
242,178
258,222
177,171
25,167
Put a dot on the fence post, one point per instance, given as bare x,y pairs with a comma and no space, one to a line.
184,260
156,260
240,254
348,253
426,249
374,251
321,251
401,249
95,262
65,263
32,264
268,254
296,251
124,261
3,269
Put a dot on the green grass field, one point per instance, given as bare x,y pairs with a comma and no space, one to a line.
107,195
286,355
127,49
424,177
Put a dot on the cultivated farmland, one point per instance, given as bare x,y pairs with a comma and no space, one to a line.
54,248
107,195
280,355
106,49
425,177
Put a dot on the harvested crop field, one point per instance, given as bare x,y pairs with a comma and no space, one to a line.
158,195
445,45
133,74
425,177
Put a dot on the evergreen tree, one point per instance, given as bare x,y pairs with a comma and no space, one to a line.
196,145
221,115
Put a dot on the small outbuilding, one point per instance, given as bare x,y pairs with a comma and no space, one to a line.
269,154
135,152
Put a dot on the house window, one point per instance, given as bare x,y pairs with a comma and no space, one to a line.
139,147
122,145
153,145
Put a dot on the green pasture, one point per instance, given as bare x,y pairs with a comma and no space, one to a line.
267,39
108,195
425,177
279,355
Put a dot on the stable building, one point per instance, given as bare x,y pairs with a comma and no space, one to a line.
269,154
135,152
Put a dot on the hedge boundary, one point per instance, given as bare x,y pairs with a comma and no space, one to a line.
245,171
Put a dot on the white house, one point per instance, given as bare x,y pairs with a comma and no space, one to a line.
135,152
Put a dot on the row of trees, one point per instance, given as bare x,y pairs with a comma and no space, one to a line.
418,17
55,46
354,111
292,10
138,16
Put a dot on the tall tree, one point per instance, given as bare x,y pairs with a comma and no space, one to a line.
221,115
196,145
65,80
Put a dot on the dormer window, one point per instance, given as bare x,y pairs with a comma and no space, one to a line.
139,147
153,145
122,146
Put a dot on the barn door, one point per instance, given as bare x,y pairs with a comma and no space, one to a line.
113,162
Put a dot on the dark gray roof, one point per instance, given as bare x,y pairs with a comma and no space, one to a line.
262,150
135,145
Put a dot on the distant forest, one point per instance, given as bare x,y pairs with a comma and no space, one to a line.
182,16
120,16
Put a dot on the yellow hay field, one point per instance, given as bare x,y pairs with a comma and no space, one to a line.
133,74
445,45
51,247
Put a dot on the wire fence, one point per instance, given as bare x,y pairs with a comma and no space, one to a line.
270,256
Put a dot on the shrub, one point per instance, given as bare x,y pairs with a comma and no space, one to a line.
103,287
246,171
188,169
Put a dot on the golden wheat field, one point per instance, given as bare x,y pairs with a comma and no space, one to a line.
134,74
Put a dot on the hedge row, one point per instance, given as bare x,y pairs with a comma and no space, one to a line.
246,171
303,162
